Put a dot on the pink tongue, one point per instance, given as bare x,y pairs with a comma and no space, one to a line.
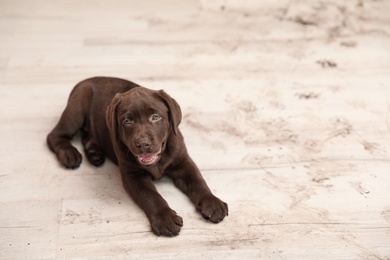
146,156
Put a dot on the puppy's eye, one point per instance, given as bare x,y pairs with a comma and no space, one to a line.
127,121
155,118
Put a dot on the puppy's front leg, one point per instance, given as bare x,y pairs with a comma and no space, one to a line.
188,179
163,220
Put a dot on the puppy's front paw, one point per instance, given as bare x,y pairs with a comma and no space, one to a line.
212,208
69,157
166,223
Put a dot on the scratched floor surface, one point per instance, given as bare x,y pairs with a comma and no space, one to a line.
285,110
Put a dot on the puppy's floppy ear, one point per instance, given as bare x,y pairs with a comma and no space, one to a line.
111,117
174,110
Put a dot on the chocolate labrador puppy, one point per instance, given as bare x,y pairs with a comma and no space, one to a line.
137,128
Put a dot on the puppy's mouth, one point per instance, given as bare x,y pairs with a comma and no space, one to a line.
148,159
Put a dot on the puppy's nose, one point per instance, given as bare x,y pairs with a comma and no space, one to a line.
143,143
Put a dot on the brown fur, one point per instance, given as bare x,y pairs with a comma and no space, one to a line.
137,128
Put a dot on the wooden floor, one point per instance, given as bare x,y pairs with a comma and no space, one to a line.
286,110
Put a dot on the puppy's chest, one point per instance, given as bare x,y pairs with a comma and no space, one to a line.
157,171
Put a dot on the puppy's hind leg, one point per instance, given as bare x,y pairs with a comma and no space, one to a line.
71,121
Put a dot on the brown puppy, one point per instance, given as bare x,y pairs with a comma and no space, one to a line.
137,128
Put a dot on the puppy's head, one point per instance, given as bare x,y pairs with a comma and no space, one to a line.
141,120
